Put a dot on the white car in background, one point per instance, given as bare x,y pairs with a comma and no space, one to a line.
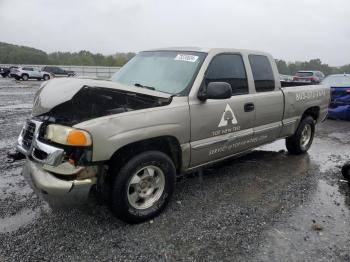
26,73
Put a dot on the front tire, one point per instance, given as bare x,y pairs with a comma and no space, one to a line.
46,77
143,187
301,141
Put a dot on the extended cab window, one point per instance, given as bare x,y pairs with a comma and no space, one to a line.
228,68
262,73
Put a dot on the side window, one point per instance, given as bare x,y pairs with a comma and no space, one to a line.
228,68
262,73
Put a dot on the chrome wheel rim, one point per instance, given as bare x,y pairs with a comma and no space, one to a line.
145,187
305,136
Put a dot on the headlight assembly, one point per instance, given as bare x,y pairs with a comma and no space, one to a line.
67,136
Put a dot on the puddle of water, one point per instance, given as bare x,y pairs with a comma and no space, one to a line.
343,137
22,218
326,153
296,237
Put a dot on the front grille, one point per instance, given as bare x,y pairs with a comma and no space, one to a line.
28,135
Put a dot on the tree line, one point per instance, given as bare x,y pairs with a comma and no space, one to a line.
14,54
314,64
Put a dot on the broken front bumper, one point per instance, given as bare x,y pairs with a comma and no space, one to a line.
47,184
46,170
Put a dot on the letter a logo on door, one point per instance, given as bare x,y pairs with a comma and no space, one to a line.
228,117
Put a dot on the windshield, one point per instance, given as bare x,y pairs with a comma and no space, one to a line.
170,72
337,81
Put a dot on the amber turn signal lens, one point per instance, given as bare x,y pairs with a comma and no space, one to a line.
77,138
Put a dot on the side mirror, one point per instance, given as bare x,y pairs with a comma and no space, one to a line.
216,90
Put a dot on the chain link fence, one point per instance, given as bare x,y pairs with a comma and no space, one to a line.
85,71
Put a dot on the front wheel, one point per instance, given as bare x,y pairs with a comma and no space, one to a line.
143,187
301,141
46,77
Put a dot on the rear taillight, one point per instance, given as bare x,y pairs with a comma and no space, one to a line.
311,78
347,91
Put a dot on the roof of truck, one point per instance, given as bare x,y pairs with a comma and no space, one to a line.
205,49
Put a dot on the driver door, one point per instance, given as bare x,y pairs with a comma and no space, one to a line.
221,128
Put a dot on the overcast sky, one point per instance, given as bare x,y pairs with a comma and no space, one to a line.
290,30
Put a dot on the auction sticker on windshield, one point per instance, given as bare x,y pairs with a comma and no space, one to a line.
187,58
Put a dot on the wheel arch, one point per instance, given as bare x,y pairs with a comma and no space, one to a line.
166,144
314,112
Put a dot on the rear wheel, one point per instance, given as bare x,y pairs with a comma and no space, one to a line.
143,187
301,141
25,77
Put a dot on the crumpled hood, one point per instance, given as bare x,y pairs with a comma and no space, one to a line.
60,90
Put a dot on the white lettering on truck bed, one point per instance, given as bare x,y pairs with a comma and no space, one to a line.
309,95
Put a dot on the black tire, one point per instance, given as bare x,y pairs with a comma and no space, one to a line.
346,171
46,77
120,190
295,143
25,77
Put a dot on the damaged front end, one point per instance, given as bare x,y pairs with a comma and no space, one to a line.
93,102
55,169
59,156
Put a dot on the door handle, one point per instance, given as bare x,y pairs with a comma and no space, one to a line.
248,107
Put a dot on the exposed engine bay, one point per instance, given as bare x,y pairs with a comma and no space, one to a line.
93,102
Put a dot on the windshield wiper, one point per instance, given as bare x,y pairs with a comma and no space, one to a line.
148,87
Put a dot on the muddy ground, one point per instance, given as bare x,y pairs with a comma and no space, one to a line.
266,206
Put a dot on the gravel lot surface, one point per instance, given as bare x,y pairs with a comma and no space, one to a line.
266,206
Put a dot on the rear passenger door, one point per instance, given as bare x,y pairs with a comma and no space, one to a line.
269,101
29,71
36,73
60,72
220,128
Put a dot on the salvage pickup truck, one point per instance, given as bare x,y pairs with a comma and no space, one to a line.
166,112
